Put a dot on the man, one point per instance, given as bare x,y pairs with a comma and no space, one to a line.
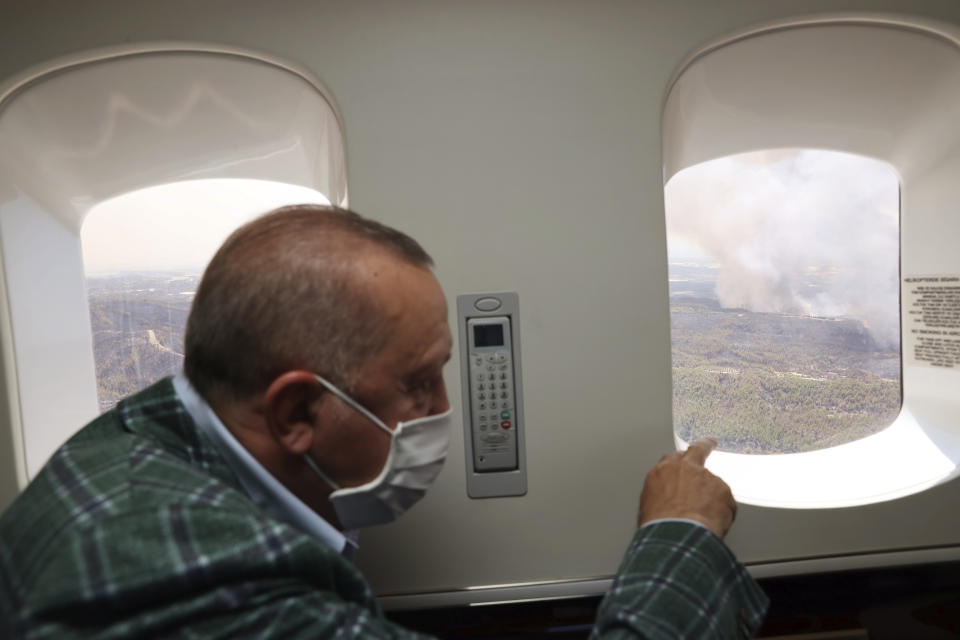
223,503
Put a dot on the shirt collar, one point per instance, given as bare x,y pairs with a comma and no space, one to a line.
265,490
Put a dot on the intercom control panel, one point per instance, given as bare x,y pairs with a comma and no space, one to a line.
492,397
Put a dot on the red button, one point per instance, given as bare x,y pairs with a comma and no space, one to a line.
505,424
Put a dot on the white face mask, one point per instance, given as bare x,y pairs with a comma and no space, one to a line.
418,449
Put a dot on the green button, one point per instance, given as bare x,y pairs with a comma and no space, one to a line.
504,415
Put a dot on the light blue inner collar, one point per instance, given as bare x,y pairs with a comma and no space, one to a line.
266,491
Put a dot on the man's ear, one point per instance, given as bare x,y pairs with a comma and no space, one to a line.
290,403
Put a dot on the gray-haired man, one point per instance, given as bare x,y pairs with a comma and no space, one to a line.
223,502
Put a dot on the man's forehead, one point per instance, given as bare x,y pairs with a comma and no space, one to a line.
411,303
388,274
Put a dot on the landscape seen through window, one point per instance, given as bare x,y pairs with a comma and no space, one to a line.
144,253
784,300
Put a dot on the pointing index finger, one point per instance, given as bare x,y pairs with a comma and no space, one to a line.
699,450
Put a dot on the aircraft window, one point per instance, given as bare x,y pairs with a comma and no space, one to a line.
784,299
791,91
78,133
144,253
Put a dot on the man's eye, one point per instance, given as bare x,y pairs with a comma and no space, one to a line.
411,385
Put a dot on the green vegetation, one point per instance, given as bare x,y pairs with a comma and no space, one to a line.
759,382
772,383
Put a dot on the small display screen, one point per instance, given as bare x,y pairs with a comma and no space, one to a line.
488,335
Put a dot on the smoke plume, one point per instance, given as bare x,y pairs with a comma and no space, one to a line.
796,231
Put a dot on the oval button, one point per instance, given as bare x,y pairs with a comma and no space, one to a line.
487,304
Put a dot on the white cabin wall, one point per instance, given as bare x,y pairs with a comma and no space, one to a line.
520,143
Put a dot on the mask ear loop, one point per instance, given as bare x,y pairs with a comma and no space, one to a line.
353,403
313,465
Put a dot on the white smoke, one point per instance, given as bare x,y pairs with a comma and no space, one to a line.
797,231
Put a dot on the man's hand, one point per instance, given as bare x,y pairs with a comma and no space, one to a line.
680,487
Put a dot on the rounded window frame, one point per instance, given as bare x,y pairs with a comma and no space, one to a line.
48,192
722,101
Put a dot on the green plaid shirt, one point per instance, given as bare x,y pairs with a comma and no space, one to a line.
680,581
137,528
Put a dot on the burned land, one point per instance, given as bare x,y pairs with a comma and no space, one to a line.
771,382
138,322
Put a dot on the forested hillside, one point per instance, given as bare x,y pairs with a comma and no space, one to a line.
775,383
138,322
759,382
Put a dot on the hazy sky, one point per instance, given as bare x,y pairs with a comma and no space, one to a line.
771,218
178,225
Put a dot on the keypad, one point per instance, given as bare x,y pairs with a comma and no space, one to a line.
492,403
